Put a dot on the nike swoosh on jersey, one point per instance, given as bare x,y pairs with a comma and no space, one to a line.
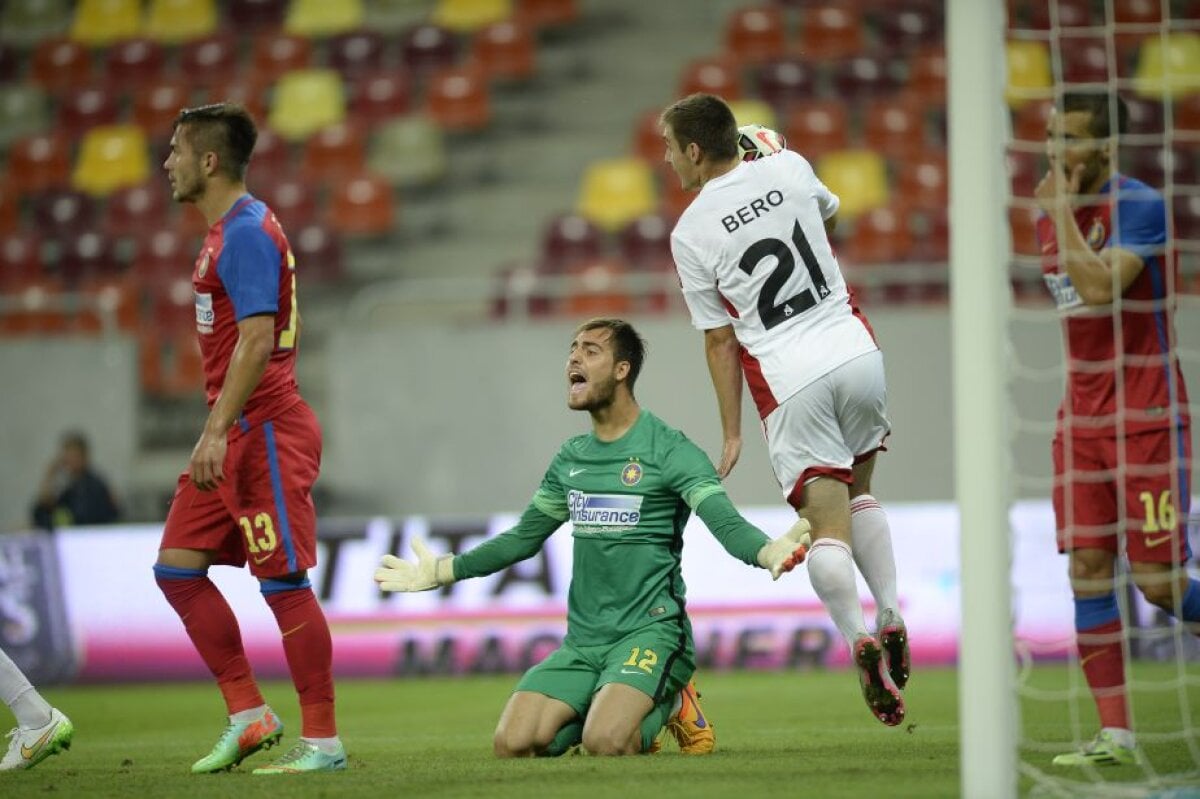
632,671
574,472
1153,542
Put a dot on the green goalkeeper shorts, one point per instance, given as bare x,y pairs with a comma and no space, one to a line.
655,660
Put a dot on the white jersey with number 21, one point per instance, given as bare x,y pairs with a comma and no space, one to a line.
751,251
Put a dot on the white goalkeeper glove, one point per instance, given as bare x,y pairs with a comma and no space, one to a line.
788,551
429,572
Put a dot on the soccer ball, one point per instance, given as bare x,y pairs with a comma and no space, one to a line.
757,141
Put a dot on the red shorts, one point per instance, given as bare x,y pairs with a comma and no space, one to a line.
1155,494
263,512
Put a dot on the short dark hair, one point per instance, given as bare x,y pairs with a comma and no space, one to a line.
77,439
1100,105
706,120
627,345
226,129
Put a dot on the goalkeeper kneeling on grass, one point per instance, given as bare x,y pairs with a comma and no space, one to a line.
624,670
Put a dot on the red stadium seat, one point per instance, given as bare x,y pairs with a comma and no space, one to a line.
61,64
380,96
1037,14
924,180
1032,120
518,293
162,254
645,243
86,255
9,214
83,109
1185,208
363,206
40,162
1155,164
248,92
786,82
1146,115
212,60
932,244
318,252
819,127
880,236
20,259
1187,114
911,27
357,53
134,63
1025,170
675,199
276,53
1137,12
597,289
110,302
568,240
1023,228
40,309
62,212
156,106
333,153
10,62
927,75
1085,59
547,13
272,158
648,143
426,48
171,365
864,77
256,15
831,32
459,100
506,50
895,127
715,75
134,209
754,35
293,200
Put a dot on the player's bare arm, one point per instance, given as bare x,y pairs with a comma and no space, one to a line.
1097,277
256,342
725,367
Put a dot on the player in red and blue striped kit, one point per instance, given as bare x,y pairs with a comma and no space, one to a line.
1122,449
245,499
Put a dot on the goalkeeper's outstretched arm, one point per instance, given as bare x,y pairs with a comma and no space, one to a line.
749,544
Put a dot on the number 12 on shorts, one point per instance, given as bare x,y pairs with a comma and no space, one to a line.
1160,517
644,659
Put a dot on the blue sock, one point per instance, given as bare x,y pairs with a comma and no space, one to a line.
1191,601
1093,611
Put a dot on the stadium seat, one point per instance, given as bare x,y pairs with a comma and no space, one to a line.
648,143
458,99
912,27
99,23
932,242
293,199
597,289
58,64
380,96
156,106
1025,169
519,292
392,17
256,15
40,309
1085,59
357,53
923,180
1170,69
506,50
171,364
865,78
161,254
110,157
20,258
84,255
276,54
468,16
426,48
1187,115
109,304
1185,208
176,21
247,92
816,128
895,127
617,191
305,101
24,23
569,240
547,13
756,34
80,110
39,162
1036,14
24,111
1153,164
1137,12
1032,120
713,75
364,205
333,153
675,199
1028,72
786,82
212,60
132,210
753,112
880,236
63,212
318,253
409,151
321,18
1146,116
10,62
10,216
831,32
134,63
858,177
645,243
1023,231
927,75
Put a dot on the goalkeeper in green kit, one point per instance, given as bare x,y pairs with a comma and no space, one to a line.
624,670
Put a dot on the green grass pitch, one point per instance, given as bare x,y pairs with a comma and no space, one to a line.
778,734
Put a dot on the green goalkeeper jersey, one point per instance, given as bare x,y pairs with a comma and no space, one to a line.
628,501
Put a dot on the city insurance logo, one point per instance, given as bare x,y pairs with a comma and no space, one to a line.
601,513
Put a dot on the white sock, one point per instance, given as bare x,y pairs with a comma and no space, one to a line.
21,697
872,539
1121,736
330,746
246,716
831,572
676,706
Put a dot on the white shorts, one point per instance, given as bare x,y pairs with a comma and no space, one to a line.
828,426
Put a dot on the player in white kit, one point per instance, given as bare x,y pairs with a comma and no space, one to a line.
41,730
760,279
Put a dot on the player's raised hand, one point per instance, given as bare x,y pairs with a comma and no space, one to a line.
429,572
788,551
1056,188
731,450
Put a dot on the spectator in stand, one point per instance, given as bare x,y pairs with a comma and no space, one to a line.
72,492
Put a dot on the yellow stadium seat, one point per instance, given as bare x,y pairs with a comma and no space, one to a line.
319,18
752,112
307,100
1029,75
857,177
101,22
175,21
1170,71
408,151
110,157
617,191
468,16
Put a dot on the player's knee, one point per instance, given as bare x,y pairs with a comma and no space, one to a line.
508,743
1161,595
610,743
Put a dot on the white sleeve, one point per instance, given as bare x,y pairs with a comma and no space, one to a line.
699,287
827,202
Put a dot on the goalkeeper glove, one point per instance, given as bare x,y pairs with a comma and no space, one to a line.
429,572
788,551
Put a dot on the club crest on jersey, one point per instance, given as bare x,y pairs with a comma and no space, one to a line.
202,270
631,475
1097,235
